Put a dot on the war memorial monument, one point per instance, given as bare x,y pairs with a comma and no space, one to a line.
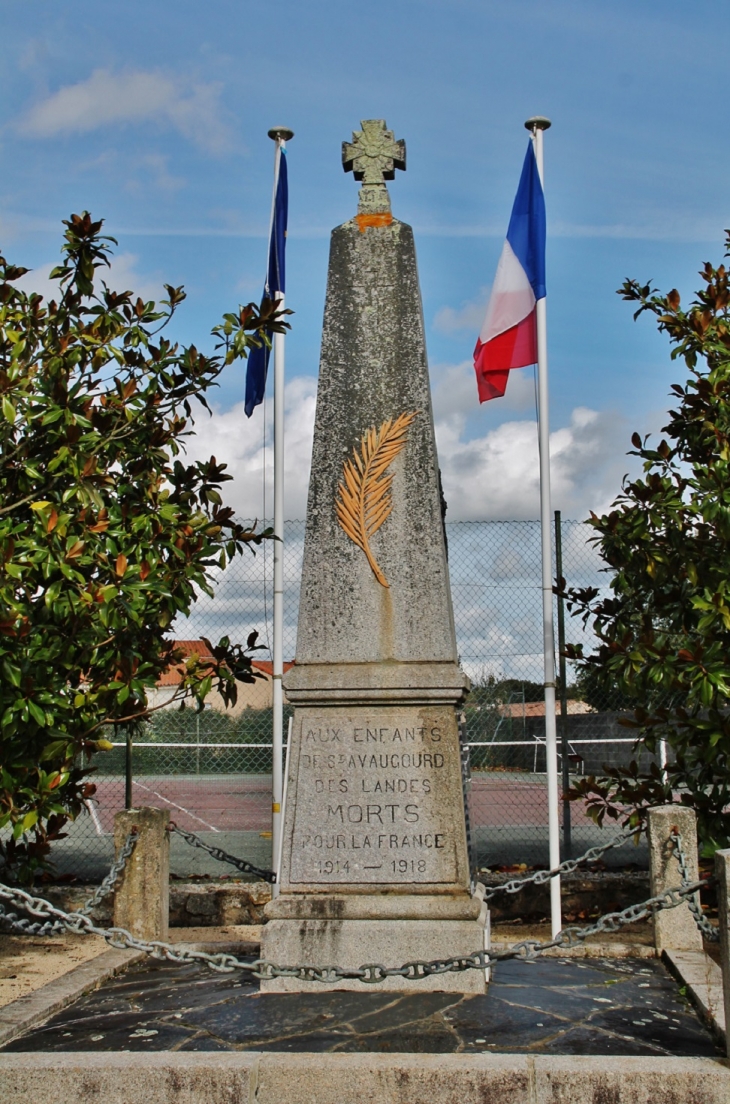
374,859
374,866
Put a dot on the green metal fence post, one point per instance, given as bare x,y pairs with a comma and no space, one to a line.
567,842
128,804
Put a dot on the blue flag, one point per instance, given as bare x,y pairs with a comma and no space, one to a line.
258,359
527,229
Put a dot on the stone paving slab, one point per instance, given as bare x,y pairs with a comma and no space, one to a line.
550,1007
703,979
35,1008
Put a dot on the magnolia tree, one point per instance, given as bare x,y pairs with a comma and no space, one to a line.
664,631
107,534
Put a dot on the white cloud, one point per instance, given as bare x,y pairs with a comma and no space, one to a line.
492,476
469,316
498,475
155,166
121,276
239,442
149,168
109,99
454,391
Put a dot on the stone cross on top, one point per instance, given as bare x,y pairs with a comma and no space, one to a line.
372,156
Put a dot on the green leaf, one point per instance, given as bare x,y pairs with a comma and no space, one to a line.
37,713
11,672
119,544
52,750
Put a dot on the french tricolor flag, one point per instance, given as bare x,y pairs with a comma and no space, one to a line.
508,338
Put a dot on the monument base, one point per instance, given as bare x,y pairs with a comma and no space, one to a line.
389,942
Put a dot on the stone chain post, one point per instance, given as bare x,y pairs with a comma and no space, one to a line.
674,929
142,898
722,872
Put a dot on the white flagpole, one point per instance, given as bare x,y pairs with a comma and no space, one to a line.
280,135
537,125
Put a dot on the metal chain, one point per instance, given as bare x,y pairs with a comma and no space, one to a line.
115,872
566,867
223,856
371,973
24,926
709,931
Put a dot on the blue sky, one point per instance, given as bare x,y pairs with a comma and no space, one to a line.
154,116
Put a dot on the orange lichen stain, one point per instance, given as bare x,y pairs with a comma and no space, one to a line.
380,218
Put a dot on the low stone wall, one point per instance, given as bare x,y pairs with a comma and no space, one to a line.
204,906
192,904
216,904
588,894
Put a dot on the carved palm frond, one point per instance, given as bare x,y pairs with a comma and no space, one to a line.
364,500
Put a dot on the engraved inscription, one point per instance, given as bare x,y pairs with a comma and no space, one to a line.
376,803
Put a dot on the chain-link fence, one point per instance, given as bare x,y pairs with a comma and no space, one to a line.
213,769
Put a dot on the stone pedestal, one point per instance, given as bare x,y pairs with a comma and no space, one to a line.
722,873
374,858
674,929
142,896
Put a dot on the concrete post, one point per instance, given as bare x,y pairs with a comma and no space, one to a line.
674,929
722,873
142,899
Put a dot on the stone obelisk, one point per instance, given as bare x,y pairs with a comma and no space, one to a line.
374,860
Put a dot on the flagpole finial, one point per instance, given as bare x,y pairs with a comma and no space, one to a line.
281,134
537,122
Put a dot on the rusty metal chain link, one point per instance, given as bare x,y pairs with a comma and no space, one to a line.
708,930
24,926
369,974
115,872
566,867
223,856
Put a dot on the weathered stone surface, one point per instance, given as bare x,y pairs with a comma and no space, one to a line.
722,873
185,1078
703,979
674,929
373,367
141,902
629,1081
378,906
244,902
192,904
375,798
353,943
206,905
379,683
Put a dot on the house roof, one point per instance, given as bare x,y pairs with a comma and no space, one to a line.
537,709
173,675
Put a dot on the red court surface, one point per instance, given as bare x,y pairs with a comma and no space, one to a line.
230,802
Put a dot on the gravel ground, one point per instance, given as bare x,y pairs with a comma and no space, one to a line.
28,962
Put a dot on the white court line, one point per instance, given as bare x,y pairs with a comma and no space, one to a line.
176,806
89,803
